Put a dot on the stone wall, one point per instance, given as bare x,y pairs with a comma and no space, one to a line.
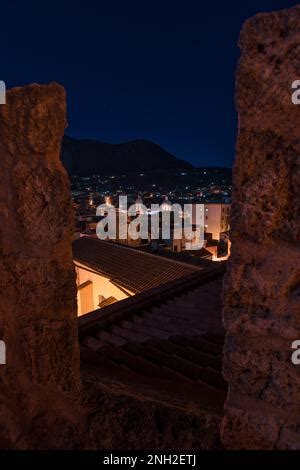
262,286
37,280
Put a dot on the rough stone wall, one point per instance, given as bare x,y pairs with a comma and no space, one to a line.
37,281
262,286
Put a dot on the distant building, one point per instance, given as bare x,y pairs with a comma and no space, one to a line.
166,206
139,205
2,92
216,219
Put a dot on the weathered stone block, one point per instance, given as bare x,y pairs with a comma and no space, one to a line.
38,291
262,286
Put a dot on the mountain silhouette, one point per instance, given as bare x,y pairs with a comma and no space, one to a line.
93,157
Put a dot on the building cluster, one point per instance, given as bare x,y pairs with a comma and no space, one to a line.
215,220
206,186
104,268
98,277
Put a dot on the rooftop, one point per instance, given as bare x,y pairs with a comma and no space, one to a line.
129,268
163,348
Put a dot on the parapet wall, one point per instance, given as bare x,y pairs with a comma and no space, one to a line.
38,291
262,286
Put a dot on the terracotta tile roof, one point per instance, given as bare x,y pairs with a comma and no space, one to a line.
131,269
171,352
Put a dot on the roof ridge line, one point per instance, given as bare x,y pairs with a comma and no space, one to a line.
151,297
126,247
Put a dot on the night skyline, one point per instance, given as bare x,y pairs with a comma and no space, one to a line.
163,73
149,308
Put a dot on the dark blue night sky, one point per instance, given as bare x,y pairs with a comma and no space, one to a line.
156,70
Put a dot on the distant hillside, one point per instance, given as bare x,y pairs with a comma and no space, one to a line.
88,157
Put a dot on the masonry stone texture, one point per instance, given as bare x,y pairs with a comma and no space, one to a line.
262,286
42,401
38,291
